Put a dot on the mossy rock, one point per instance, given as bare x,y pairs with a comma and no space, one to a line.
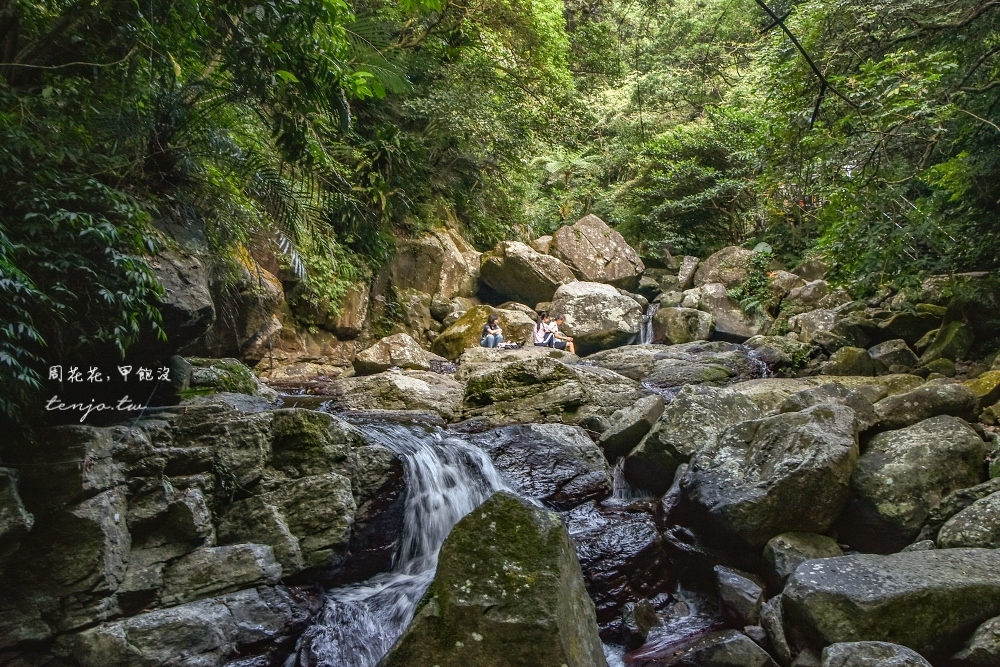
986,387
953,341
508,591
221,375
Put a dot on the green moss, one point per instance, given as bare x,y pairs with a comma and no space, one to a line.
221,375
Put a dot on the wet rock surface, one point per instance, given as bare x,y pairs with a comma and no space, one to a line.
555,463
871,654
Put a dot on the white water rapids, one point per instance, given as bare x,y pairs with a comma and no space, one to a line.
446,479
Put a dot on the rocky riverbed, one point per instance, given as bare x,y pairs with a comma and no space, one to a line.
724,493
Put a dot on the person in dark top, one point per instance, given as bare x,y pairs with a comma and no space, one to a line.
492,335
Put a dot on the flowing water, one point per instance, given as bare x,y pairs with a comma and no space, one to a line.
446,479
646,331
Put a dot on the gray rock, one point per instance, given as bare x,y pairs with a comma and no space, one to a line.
597,253
978,525
910,327
597,316
682,325
544,389
690,422
187,308
894,355
728,266
930,400
780,351
770,393
477,358
307,522
806,658
398,350
685,276
925,600
208,633
555,463
66,573
785,552
676,365
524,600
903,474
953,503
983,648
740,595
629,426
783,282
810,324
838,394
772,619
308,442
421,391
806,297
637,619
732,323
790,472
953,341
727,648
871,654
465,333
516,271
849,361
213,571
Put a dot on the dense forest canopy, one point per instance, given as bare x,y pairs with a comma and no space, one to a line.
325,130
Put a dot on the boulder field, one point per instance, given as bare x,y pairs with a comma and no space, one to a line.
706,484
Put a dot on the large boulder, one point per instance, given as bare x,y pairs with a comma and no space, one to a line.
929,400
215,570
903,474
806,297
479,358
508,590
953,341
770,393
629,425
691,421
685,275
732,322
545,389
259,624
516,271
856,400
466,332
894,356
986,387
555,463
422,391
871,654
441,263
741,595
928,601
910,327
953,503
622,556
978,525
187,307
781,352
790,472
596,253
676,365
398,350
728,266
352,312
849,361
682,325
597,316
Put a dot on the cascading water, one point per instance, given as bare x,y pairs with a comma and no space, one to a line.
646,332
446,479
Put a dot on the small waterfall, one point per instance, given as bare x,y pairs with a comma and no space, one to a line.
620,488
646,332
446,479
758,367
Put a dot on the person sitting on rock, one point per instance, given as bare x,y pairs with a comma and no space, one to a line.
543,335
559,337
492,335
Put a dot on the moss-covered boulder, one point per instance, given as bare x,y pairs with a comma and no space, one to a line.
983,648
929,601
929,400
849,361
910,327
693,418
728,266
221,375
508,592
789,472
871,654
903,474
986,387
953,341
399,350
785,552
682,325
466,331
978,525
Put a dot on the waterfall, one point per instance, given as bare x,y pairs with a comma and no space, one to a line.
620,488
646,332
446,478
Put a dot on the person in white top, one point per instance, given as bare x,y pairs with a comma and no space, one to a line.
547,333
